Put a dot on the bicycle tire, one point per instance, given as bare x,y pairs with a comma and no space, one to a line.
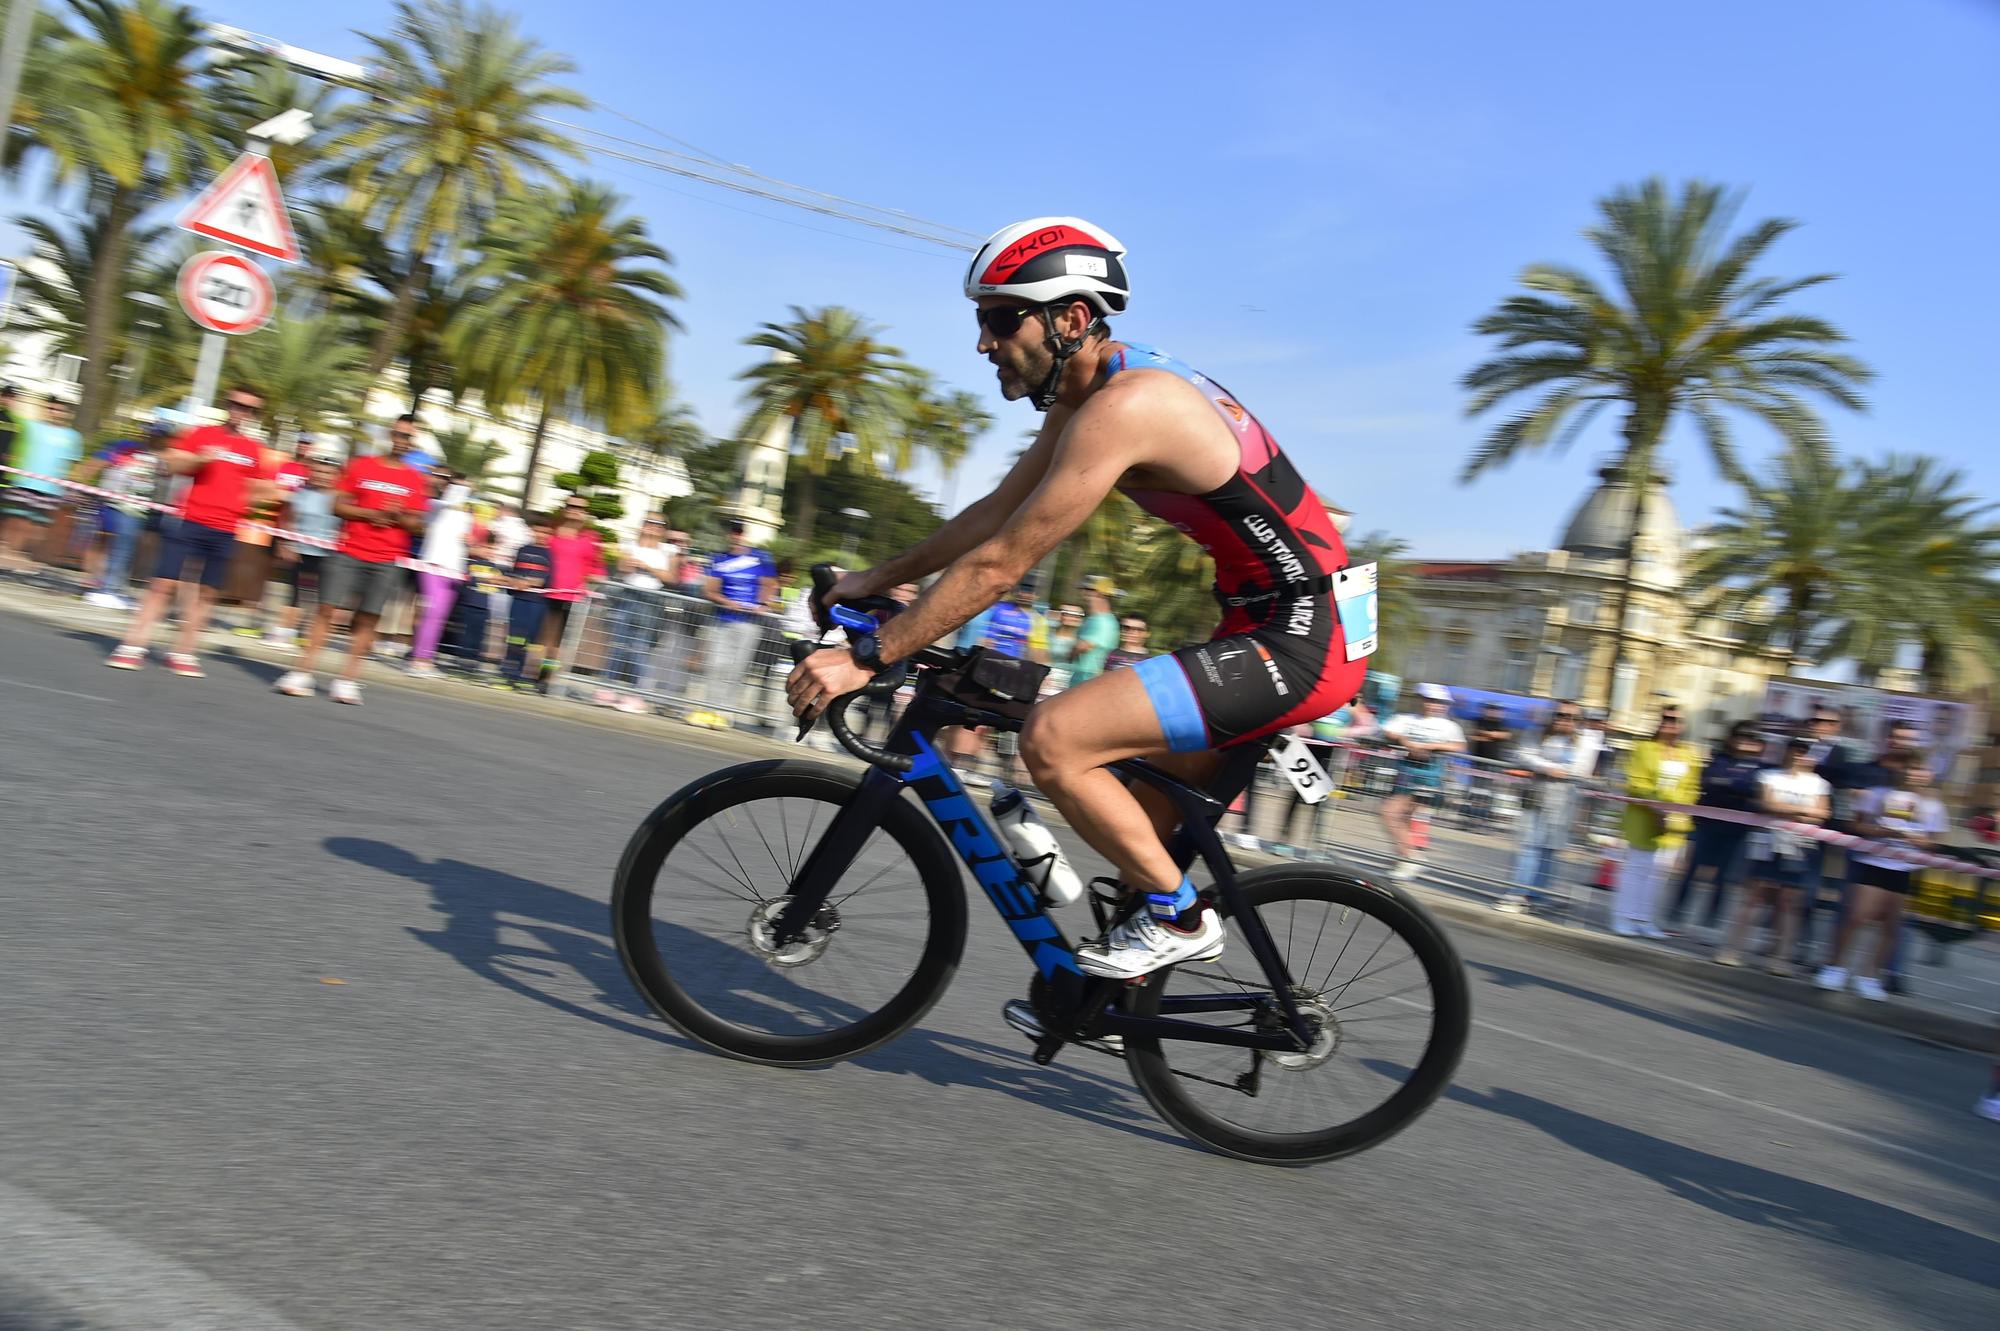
1169,1093
651,973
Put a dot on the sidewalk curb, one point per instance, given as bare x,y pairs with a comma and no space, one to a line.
1942,1028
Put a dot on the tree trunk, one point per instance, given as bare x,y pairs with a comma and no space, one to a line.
808,505
1642,437
101,313
535,455
391,337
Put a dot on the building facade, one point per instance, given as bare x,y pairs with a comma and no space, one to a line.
1544,622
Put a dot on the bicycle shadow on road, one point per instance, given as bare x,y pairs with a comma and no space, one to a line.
1756,1195
563,929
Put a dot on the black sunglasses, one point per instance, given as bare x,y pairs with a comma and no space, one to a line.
238,404
1003,322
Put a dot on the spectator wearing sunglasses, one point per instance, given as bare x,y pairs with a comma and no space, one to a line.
227,473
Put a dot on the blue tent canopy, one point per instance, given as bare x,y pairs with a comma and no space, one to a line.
1518,711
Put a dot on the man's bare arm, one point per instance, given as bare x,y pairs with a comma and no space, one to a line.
979,521
1095,451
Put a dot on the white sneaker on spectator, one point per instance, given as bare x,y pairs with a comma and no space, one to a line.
1870,988
1831,977
185,665
1989,1107
1647,929
1513,903
104,600
345,690
1405,870
603,698
295,684
632,705
126,658
424,670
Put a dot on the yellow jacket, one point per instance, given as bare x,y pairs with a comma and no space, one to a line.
1656,771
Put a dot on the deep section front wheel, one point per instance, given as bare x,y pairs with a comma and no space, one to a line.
1382,987
708,872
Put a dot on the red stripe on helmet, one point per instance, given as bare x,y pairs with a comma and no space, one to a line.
1008,260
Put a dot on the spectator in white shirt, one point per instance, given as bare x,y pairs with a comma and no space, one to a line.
1550,798
1427,741
645,568
1899,813
1782,863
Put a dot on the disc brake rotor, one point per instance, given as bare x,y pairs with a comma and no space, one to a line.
1325,1042
802,951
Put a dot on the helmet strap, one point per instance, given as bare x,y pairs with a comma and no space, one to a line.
1061,349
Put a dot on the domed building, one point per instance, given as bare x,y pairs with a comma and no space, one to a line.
1543,623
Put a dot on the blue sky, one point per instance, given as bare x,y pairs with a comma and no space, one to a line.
1318,199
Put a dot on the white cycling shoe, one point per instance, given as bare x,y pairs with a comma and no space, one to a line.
1143,945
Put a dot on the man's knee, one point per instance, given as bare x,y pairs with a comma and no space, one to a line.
1044,753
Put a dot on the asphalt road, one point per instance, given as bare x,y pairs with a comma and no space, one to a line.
312,1020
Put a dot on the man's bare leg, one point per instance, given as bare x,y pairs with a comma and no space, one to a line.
361,636
1066,744
194,617
152,606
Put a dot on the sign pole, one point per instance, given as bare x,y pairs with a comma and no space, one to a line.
207,373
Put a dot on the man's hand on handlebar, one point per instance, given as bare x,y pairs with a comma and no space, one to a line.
825,675
849,587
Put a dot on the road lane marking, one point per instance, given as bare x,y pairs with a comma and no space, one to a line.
24,684
1958,1167
108,1281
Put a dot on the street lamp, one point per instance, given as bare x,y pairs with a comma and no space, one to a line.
856,517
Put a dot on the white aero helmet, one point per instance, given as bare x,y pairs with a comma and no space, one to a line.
1045,259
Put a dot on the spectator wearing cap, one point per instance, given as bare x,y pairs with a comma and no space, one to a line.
1097,637
1427,739
1732,781
130,471
303,563
1551,762
1666,769
577,557
741,582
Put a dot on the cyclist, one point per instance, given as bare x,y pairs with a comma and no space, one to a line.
1121,415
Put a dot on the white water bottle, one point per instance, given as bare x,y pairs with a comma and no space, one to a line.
1034,846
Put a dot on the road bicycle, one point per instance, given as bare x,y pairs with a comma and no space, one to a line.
795,912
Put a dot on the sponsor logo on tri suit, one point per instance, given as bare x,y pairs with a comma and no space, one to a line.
1299,621
1271,669
1211,664
224,455
1293,568
386,487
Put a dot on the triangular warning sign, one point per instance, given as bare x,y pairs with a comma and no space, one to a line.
244,207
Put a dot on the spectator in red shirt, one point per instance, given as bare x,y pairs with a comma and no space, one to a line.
229,472
380,501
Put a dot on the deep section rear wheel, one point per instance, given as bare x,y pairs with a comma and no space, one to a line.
709,870
1386,993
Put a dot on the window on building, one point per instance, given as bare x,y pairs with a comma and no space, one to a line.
1519,662
1568,683
1639,620
1623,681
1583,609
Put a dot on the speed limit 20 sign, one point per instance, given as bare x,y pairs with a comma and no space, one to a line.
226,293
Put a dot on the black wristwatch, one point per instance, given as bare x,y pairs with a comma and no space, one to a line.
867,651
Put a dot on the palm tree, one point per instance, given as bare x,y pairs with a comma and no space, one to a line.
943,424
120,106
455,125
674,432
566,307
831,379
475,458
308,367
1786,548
1687,330
1924,571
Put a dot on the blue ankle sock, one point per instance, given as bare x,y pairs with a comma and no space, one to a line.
1169,905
